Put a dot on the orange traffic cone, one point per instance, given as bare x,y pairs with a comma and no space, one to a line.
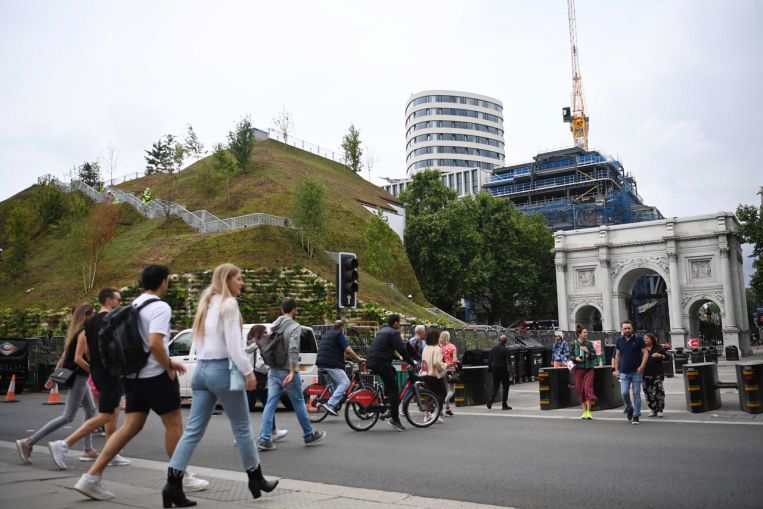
10,396
53,398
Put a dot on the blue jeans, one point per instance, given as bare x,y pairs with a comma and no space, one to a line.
626,381
79,393
211,382
341,383
294,392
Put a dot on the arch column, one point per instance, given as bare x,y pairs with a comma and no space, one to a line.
677,330
606,289
731,332
561,290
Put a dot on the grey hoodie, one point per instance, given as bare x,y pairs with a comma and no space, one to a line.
292,331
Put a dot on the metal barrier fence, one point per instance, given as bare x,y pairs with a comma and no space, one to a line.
335,155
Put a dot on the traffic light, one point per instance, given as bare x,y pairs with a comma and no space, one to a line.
347,281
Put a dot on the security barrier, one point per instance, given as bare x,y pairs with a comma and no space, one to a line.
750,380
702,387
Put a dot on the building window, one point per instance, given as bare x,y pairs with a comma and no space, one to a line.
458,184
450,181
475,184
467,190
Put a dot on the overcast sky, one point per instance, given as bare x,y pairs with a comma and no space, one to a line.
674,88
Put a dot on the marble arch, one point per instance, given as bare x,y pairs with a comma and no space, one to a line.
699,258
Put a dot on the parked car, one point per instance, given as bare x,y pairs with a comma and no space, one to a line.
183,349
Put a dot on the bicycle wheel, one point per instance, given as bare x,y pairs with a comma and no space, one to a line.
424,411
358,410
314,401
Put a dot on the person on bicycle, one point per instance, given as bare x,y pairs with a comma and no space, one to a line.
331,351
379,361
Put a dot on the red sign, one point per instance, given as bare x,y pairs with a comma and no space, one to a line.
693,343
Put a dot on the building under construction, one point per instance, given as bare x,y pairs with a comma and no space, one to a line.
572,188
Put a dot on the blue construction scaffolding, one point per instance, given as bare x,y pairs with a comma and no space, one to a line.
573,189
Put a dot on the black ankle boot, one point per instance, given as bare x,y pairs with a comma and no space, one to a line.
172,494
258,482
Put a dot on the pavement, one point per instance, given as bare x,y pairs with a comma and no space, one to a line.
139,485
525,458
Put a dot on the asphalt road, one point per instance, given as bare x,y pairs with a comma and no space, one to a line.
496,459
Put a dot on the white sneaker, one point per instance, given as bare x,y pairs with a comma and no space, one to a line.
119,461
440,419
58,450
659,414
24,447
191,483
279,434
93,489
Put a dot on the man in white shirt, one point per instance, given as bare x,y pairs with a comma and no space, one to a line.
155,387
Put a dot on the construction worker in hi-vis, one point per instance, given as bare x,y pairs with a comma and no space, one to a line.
147,196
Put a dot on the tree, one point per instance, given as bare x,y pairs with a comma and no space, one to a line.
93,236
90,174
511,274
241,142
17,232
751,232
283,124
310,210
112,160
48,203
163,156
426,194
353,153
379,237
479,248
370,161
226,165
193,147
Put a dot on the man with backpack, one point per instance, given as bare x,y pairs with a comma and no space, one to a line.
109,386
150,380
280,351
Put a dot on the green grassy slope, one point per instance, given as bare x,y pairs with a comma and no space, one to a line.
275,170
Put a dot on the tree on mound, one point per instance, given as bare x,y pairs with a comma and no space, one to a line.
241,143
310,210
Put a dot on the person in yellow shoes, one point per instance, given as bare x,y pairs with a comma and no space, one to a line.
584,356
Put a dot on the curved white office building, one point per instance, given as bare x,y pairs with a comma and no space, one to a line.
452,131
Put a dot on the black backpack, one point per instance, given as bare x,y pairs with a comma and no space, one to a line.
120,343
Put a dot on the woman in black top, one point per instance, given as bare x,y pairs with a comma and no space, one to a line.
654,376
79,391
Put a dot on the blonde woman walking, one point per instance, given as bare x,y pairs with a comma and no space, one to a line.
217,329
449,357
79,391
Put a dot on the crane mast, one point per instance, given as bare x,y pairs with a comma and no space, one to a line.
577,117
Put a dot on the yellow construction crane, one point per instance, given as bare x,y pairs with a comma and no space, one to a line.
576,117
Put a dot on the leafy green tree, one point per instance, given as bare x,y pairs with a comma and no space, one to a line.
48,203
241,142
426,193
379,238
309,210
162,157
511,273
353,153
751,232
283,124
226,165
90,174
17,228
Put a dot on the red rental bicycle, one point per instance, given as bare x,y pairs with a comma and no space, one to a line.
317,394
367,405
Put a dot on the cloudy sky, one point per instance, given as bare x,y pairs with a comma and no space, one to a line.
672,87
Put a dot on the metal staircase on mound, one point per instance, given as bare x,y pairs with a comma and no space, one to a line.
201,220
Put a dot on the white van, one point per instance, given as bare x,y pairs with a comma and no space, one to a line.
183,349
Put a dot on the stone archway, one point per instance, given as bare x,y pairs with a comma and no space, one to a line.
589,316
705,317
671,263
642,298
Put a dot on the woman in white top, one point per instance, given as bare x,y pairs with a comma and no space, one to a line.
217,329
